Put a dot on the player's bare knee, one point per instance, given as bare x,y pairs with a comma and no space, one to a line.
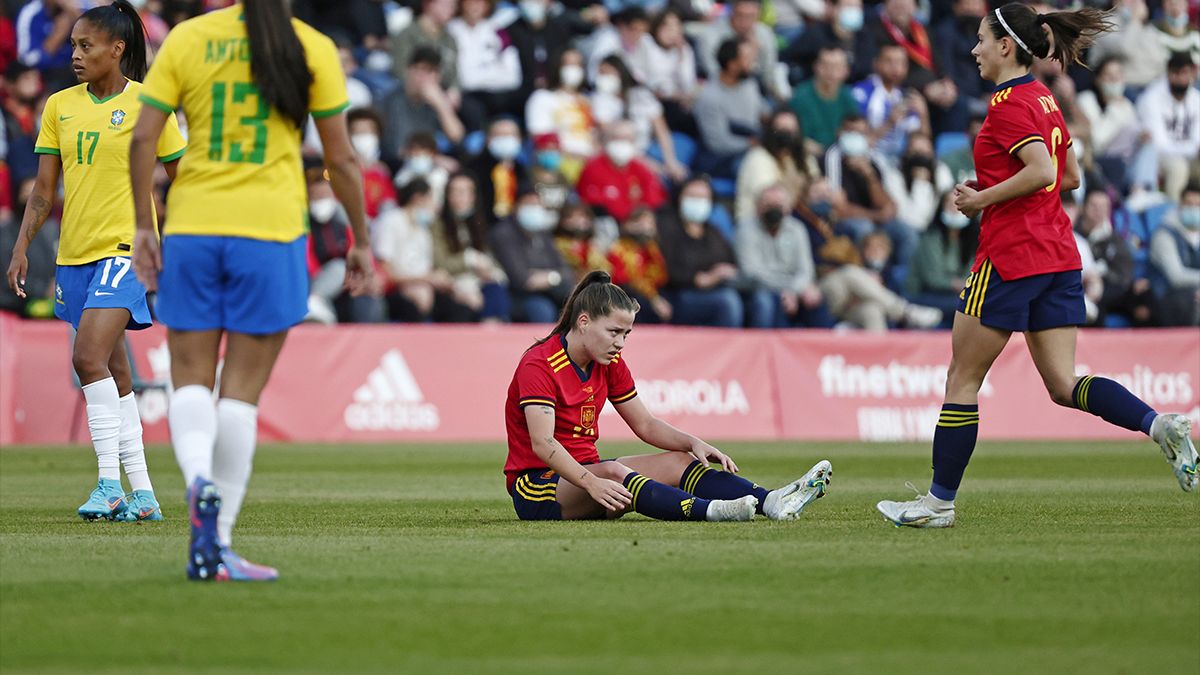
610,470
89,364
1062,391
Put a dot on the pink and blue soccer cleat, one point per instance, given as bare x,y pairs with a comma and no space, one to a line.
240,569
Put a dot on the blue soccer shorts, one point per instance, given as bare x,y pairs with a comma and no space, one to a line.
232,283
105,284
1039,302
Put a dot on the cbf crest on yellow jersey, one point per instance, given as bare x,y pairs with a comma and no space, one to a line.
242,175
91,136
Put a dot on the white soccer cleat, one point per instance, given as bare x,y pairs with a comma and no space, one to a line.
740,509
787,502
920,512
1173,433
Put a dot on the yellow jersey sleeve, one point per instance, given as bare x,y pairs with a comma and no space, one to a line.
171,143
327,94
47,140
163,87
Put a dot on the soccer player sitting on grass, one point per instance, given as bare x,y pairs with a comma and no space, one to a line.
552,418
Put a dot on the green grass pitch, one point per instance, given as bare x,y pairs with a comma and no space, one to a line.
1068,557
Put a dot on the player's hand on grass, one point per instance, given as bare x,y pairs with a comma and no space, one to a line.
16,272
147,258
707,453
609,493
360,270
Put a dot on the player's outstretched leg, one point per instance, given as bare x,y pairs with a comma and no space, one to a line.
785,503
663,502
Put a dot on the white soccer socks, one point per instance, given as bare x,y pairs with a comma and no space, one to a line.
193,420
104,423
237,431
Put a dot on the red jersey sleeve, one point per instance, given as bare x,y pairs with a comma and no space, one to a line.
535,385
620,381
1013,123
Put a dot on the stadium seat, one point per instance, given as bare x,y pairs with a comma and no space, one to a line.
473,143
722,221
685,149
724,188
950,141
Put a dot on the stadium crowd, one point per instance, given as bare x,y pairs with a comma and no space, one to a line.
763,163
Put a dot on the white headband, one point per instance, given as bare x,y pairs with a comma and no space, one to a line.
1011,34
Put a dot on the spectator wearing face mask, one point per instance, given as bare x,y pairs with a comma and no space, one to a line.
365,130
1144,45
701,265
575,238
1170,113
729,111
914,184
1175,261
617,181
1113,121
540,33
775,254
496,169
781,158
618,96
562,111
546,174
421,161
943,259
855,171
539,279
404,248
471,285
835,31
1123,299
329,239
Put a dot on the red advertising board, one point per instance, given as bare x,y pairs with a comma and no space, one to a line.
389,383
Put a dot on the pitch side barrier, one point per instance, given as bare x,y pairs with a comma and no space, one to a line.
396,383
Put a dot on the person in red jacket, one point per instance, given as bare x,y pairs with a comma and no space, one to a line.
616,181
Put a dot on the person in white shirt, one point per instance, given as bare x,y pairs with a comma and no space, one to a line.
1113,120
669,70
561,110
1169,111
404,247
489,67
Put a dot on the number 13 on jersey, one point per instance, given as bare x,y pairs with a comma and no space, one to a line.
253,127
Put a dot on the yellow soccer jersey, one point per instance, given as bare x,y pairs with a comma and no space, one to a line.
91,137
242,175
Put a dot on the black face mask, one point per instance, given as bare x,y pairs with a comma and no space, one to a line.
915,161
1179,90
641,238
772,218
781,140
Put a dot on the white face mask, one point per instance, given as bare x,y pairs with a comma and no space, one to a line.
322,209
854,144
534,11
419,164
954,220
1112,90
423,217
620,152
366,146
571,75
607,83
695,209
850,19
534,219
505,148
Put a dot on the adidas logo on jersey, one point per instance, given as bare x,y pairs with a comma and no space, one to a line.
391,400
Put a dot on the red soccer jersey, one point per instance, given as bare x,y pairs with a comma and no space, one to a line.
546,376
1032,234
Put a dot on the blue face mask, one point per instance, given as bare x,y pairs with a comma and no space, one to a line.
1189,217
549,160
695,209
850,19
821,209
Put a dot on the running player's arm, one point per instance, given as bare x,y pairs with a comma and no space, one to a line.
1038,173
664,436
41,201
1070,179
540,420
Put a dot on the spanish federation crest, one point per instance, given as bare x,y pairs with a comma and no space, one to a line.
587,416
118,116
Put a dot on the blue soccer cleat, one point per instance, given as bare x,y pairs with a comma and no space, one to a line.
240,569
141,506
204,552
106,501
